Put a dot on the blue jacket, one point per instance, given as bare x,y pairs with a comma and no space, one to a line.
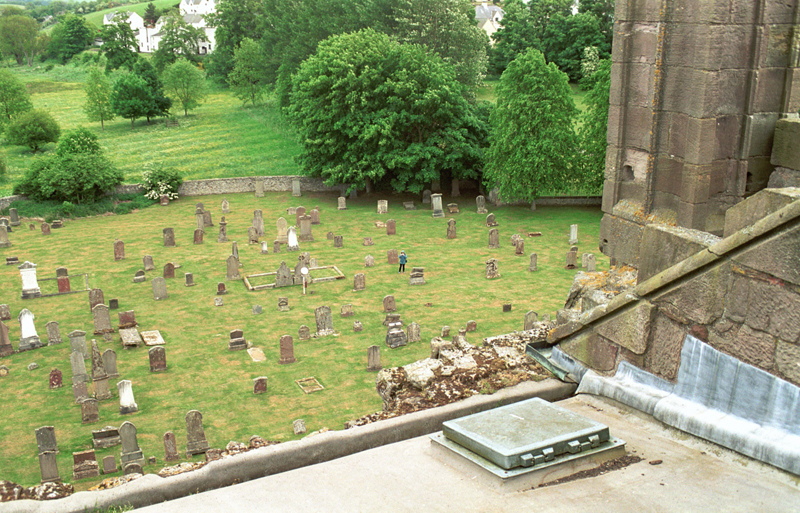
403,259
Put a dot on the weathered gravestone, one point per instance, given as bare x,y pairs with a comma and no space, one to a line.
131,453
6,349
169,237
472,326
369,261
492,269
347,311
314,213
305,229
591,264
391,227
223,231
342,203
80,392
452,208
53,333
148,263
257,310
392,257
413,332
89,411
110,363
55,379
436,203
389,304
102,320
292,243
5,313
237,341
258,222
338,241
324,320
127,404
4,242
357,326
572,260
139,277
480,202
264,247
198,237
169,271
283,231
77,342
531,318
299,426
232,268
383,207
283,304
260,385
158,359
445,331
532,267
109,465
189,279
163,200
287,350
451,229
119,250
14,217
99,375
519,249
127,319
490,221
226,206
170,447
573,234
330,235
196,442
159,288
409,205
374,359
48,449
359,281
494,238
30,285
78,365
298,213
105,437
84,464
96,297
45,229
252,236
304,333
417,276
368,241
395,336
29,339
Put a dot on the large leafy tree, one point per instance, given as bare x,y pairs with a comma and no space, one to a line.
70,36
603,10
247,77
368,108
185,83
98,97
235,20
32,128
566,37
130,97
533,143
119,43
158,103
20,37
593,132
14,97
178,39
150,14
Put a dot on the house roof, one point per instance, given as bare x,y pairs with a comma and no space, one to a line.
488,12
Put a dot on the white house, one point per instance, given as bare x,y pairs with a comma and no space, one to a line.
489,18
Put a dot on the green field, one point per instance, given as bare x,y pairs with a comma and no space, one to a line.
203,374
96,18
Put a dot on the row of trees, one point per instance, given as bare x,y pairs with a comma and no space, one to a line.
21,37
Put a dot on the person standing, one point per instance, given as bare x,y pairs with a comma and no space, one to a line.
403,259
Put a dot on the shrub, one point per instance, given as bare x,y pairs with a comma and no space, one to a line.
33,128
158,180
80,140
74,177
2,166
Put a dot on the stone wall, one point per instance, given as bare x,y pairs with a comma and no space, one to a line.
240,184
741,295
6,201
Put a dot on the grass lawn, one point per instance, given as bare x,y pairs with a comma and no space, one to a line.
202,374
97,17
218,139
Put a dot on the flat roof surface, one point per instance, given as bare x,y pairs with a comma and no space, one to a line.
693,475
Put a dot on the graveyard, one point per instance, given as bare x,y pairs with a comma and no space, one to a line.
201,372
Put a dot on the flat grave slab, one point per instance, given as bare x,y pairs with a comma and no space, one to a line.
153,338
130,337
256,354
309,385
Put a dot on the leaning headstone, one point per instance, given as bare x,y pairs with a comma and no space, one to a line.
417,276
472,326
232,268
342,203
110,363
55,379
494,238
304,333
383,207
287,350
445,331
531,318
591,264
324,320
492,269
413,332
392,257
338,241
296,188
102,320
170,447
374,359
127,319
46,439
78,364
359,281
105,437
292,243
4,242
169,237
490,221
258,222
127,404
436,202
391,227
28,339
109,465
84,464
532,267
159,288
573,234
451,229
131,453
196,442
481,205
158,359
369,261
259,187
119,250
89,411
572,260
30,285
77,342
6,349
260,385
148,263
53,333
389,304
237,341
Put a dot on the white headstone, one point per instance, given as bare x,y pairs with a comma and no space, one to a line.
573,234
30,286
126,402
291,237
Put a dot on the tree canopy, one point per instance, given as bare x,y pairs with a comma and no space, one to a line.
178,39
158,103
130,97
368,108
593,132
119,43
70,36
185,83
14,97
533,143
98,97
236,20
32,128
20,37
247,76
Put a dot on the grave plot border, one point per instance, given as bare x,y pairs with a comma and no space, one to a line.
313,385
85,284
246,279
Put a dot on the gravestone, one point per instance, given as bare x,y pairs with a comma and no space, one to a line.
573,234
53,333
330,235
258,222
198,216
61,271
391,227
305,229
392,318
283,278
531,318
170,447
369,261
127,404
196,442
29,339
572,260
169,237
110,363
84,464
395,336
287,350
494,238
5,313
6,349
298,213
532,267
46,439
299,426
105,437
455,191
4,242
163,200
515,238
148,263
451,229
259,188
314,213
490,221
119,250
296,188
291,211
368,241
30,285
218,300
283,304
169,270
96,297
445,331
257,310
260,385
109,465
357,326
292,243
198,237
235,250
79,391
63,284
138,277
159,288
90,412
338,241
131,453
264,247
133,468
413,332
158,359
48,467
426,197
342,203
472,326
232,264
57,223
237,341
480,202
584,256
347,311
520,248
55,379
45,229
77,342
507,307
374,359
226,206
436,203
78,364
392,257
283,230
492,269
324,320
99,375
389,304
102,320
14,217
276,247
591,264
417,276
383,207
452,208
409,205
252,236
359,281
189,279
127,319
223,231
304,333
